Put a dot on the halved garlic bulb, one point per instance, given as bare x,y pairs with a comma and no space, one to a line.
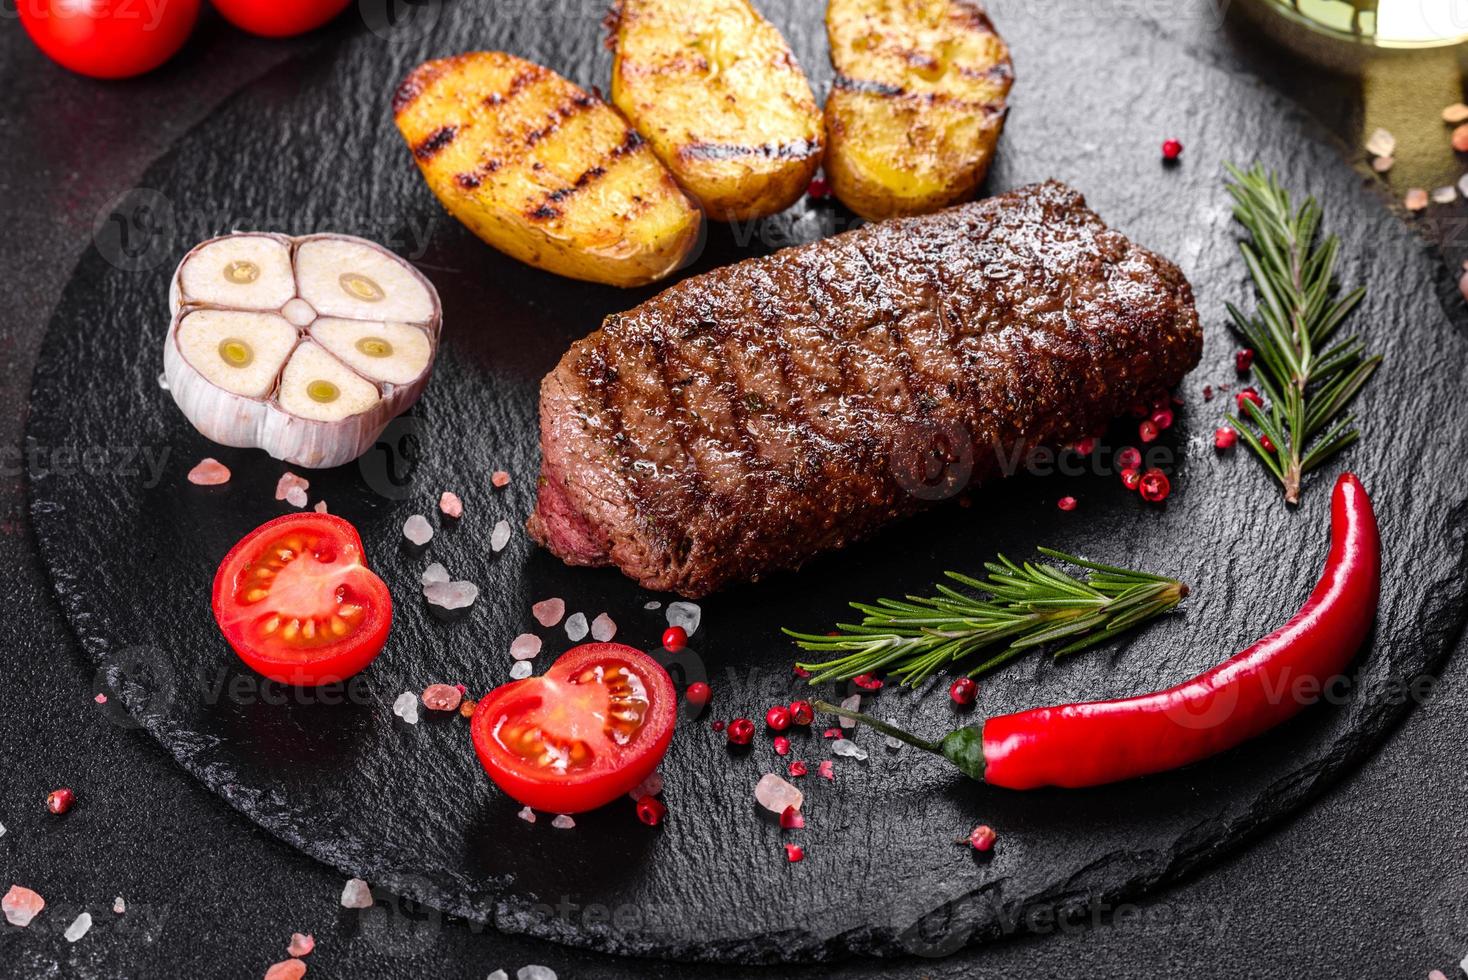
305,347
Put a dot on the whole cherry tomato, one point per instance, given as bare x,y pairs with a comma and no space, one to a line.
279,18
109,38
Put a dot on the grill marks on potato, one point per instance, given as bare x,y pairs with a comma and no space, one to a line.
544,170
722,100
917,105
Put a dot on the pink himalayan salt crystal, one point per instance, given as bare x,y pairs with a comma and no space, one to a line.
777,795
603,628
301,944
828,770
438,697
21,905
286,970
1437,975
209,473
450,504
525,646
287,482
526,814
1416,199
320,507
356,894
100,698
501,479
296,497
548,612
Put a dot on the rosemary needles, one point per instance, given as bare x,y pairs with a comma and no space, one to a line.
1308,378
1030,606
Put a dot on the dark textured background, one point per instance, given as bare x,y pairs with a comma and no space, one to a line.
101,848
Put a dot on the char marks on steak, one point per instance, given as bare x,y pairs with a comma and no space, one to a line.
752,417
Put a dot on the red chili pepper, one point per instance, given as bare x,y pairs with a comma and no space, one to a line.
1106,741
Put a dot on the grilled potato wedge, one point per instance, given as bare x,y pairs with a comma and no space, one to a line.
717,91
917,105
544,171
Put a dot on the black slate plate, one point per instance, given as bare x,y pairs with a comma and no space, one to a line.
132,546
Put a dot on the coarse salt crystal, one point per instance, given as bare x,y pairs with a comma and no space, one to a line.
500,479
450,504
526,814
521,670
163,381
434,573
21,905
441,697
320,507
563,821
1455,114
846,747
209,472
417,530
406,707
535,972
296,497
301,944
1416,199
2,830
286,970
356,894
1381,143
451,595
576,627
286,482
603,628
654,604
78,927
525,646
852,703
1382,164
686,615
118,905
1445,195
776,794
500,536
499,975
1463,185
892,743
651,786
548,612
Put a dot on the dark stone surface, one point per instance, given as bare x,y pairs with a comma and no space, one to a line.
386,944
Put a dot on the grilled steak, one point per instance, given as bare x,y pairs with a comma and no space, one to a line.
747,419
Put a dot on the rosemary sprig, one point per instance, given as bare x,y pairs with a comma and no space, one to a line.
1031,605
1308,380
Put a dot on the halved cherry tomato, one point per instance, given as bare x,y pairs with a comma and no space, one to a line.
109,38
298,605
279,18
587,731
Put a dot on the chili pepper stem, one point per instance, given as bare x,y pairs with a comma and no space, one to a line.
882,727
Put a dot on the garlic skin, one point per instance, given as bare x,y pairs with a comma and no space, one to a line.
353,360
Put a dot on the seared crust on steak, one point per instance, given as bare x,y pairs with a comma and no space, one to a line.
752,417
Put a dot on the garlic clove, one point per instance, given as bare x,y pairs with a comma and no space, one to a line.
241,272
344,277
241,352
396,353
318,387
